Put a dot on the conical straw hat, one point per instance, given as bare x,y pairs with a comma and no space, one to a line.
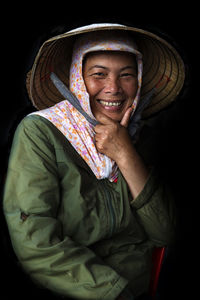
163,67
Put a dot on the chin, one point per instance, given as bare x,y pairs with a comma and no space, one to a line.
114,117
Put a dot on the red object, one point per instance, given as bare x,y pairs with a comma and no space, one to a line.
157,257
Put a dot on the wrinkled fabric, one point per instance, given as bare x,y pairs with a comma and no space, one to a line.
79,132
72,233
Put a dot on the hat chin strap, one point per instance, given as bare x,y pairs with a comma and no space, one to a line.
135,120
67,94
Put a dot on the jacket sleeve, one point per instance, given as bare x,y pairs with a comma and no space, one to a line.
31,201
156,211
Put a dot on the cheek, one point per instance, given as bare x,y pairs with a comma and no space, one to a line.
93,87
131,89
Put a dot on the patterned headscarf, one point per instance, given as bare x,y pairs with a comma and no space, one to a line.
79,132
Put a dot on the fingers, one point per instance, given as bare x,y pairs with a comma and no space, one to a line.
100,145
125,120
111,135
105,120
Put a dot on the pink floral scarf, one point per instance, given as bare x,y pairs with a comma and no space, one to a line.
78,131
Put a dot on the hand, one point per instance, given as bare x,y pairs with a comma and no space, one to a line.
112,138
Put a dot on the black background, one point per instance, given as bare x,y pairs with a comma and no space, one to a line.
21,34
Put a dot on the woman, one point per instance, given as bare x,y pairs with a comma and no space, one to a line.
84,208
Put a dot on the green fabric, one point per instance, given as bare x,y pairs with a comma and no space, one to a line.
74,234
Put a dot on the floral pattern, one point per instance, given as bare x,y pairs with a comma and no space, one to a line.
78,131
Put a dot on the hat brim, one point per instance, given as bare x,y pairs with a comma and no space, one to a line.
163,68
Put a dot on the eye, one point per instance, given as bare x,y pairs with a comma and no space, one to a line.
128,75
98,75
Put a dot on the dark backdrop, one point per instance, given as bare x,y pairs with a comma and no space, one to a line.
22,34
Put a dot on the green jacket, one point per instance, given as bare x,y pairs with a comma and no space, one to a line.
73,234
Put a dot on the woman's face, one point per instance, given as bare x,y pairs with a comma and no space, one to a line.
111,82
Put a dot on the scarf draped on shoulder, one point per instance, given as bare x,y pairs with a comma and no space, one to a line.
69,119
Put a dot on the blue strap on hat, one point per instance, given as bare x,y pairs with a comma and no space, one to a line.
135,120
67,94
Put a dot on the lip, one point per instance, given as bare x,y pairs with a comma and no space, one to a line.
111,100
111,108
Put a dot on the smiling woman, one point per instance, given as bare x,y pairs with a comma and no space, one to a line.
95,208
111,81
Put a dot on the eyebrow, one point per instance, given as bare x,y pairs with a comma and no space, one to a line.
97,66
128,67
103,67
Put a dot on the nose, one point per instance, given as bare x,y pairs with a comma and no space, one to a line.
112,85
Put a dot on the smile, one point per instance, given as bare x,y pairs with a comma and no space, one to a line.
110,103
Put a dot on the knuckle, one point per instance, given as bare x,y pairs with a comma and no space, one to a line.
114,128
97,128
100,147
106,132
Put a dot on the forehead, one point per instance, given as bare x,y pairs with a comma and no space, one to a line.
108,57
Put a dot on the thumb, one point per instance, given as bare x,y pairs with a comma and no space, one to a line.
125,120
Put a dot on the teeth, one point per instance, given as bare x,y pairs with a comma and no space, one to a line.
105,103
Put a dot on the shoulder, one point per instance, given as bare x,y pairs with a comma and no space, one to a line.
45,119
35,131
34,121
34,124
38,130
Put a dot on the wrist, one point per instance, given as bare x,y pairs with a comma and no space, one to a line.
134,171
125,156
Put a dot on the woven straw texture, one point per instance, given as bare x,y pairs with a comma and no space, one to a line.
163,67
